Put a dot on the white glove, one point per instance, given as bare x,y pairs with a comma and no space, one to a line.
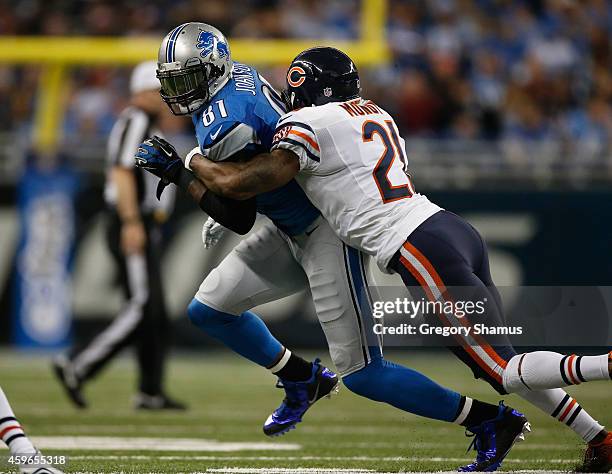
212,232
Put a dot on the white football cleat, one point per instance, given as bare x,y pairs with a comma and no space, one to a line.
36,464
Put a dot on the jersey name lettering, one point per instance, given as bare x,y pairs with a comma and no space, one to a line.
243,78
354,108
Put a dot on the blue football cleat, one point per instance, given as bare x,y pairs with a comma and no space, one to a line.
493,439
299,397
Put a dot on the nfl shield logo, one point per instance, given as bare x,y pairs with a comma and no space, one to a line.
327,92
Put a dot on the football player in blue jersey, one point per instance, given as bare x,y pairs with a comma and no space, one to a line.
235,112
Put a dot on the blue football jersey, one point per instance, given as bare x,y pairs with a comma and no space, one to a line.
240,121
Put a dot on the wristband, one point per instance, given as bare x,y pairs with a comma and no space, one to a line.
190,155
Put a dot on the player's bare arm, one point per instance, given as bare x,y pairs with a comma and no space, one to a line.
265,172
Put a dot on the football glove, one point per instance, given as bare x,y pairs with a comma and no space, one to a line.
212,232
159,157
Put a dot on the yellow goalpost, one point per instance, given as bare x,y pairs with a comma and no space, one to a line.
57,54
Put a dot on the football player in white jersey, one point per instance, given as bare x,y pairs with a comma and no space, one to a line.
235,113
347,155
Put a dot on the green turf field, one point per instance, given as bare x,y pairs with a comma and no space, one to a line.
229,400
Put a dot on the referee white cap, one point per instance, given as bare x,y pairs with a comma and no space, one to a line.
144,77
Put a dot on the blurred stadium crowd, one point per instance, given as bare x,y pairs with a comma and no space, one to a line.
515,72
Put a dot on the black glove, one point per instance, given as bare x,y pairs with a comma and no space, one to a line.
160,158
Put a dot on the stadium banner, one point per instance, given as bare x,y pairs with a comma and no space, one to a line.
535,239
42,297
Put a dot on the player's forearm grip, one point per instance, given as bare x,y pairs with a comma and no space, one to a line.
237,216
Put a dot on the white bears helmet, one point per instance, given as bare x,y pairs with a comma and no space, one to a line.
193,63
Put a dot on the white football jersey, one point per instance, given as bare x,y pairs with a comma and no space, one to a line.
353,167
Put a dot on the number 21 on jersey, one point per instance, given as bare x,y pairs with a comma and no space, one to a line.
393,149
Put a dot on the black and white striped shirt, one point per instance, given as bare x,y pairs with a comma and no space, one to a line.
133,127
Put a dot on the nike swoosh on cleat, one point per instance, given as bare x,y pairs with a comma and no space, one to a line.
314,398
517,439
214,135
308,233
269,420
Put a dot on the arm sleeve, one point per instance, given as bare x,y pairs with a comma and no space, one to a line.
301,139
237,216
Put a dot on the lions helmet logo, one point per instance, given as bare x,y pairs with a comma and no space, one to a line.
208,43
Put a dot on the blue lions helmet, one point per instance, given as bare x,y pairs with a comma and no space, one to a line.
194,62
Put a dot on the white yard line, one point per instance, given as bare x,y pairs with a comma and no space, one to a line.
307,470
154,444
209,445
283,470
141,457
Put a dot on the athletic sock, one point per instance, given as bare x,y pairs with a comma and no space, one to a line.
11,432
542,370
292,367
558,404
474,412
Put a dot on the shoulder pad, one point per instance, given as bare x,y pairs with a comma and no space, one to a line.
228,139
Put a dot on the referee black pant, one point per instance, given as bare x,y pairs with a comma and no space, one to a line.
142,320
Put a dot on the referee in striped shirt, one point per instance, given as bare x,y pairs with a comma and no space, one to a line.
134,239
